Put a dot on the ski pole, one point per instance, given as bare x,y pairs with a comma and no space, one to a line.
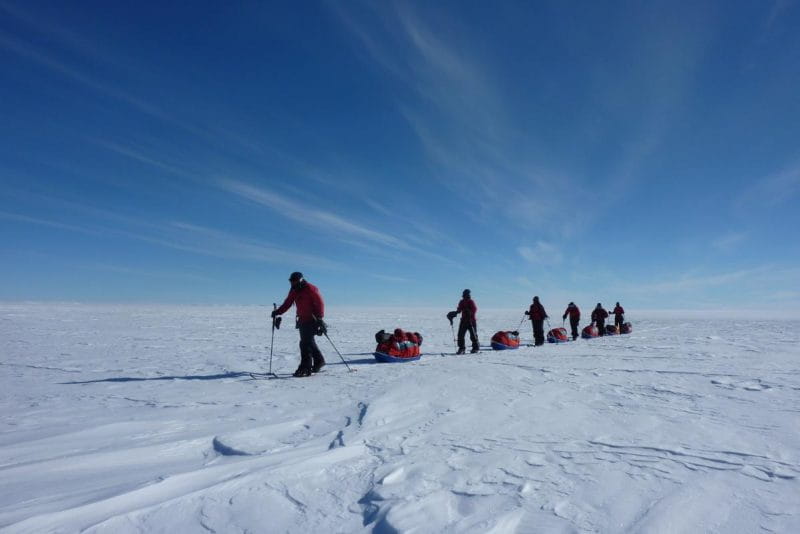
339,353
455,343
520,322
325,332
272,340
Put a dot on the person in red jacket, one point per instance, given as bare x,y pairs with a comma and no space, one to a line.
574,318
599,316
468,310
619,316
310,311
537,316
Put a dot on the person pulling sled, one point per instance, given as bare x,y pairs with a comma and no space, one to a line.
599,316
310,311
468,310
537,316
619,317
574,318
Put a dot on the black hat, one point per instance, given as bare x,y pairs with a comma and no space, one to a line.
296,276
465,293
599,305
572,304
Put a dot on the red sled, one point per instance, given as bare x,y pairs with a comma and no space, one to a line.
612,330
397,347
385,358
590,331
558,335
505,340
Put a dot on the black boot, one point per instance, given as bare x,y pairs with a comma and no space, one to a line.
319,363
461,350
305,367
302,371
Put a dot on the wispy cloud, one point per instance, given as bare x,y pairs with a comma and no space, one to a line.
181,236
773,189
542,253
47,222
729,242
137,155
388,278
130,271
307,215
340,228
25,50
212,242
446,92
765,278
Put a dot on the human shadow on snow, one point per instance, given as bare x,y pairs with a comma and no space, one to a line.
218,376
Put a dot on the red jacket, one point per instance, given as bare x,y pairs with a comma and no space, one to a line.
307,300
537,312
599,314
574,313
619,310
468,309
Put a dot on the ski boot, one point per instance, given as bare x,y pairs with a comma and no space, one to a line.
461,351
319,363
475,350
302,371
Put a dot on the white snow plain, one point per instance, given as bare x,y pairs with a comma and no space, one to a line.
144,419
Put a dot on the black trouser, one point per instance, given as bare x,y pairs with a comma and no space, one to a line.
463,328
309,351
601,326
573,322
618,319
538,331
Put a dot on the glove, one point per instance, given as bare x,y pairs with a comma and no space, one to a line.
451,315
322,328
277,321
563,317
274,313
527,312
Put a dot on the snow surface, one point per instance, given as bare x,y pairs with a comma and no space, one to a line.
143,418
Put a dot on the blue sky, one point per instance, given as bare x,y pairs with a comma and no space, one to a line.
396,153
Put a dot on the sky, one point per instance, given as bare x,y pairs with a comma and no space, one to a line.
399,152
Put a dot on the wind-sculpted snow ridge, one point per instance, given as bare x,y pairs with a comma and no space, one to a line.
131,419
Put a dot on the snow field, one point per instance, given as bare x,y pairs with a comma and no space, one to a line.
143,418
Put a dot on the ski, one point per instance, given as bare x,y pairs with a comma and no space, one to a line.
274,376
265,376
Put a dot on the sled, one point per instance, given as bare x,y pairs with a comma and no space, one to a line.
589,332
611,330
397,347
386,358
505,340
558,335
627,328
501,346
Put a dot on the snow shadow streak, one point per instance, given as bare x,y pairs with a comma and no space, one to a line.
218,376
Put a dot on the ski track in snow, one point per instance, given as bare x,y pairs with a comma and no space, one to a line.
133,418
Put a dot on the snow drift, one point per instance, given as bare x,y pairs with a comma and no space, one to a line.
130,419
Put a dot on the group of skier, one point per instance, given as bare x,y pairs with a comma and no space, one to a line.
599,316
311,310
535,313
